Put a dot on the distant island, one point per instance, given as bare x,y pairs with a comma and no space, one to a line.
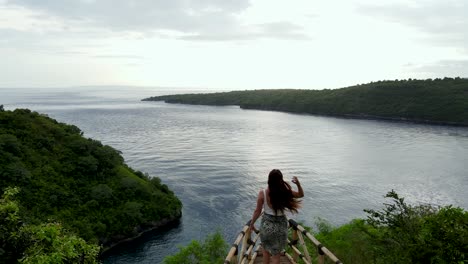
435,101
64,177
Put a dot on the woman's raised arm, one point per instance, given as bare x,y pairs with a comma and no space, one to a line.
300,192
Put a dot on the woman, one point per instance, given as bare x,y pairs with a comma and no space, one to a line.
274,201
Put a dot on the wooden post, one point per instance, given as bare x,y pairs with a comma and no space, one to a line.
250,246
245,244
321,254
254,256
304,247
293,242
232,255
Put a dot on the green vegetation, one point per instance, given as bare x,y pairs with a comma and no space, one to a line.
212,250
443,101
44,243
399,233
78,182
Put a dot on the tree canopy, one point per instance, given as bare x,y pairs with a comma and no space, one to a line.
443,101
77,181
44,243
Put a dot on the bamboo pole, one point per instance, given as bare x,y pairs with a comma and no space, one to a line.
290,258
304,247
293,242
254,256
317,243
296,251
232,255
244,243
248,253
297,236
321,256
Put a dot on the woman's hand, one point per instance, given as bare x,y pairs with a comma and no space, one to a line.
300,192
252,228
295,180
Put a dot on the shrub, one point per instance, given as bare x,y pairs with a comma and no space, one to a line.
212,250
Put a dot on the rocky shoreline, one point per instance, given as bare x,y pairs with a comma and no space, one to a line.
139,231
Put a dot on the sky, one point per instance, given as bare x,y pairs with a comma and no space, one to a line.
230,44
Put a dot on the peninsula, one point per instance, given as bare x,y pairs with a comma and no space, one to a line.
438,101
79,182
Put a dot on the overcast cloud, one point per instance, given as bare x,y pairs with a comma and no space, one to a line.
238,44
181,15
192,19
445,22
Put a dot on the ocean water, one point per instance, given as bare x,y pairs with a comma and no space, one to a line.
216,159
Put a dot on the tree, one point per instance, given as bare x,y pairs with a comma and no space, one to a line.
400,233
76,181
50,243
11,237
419,234
212,250
43,243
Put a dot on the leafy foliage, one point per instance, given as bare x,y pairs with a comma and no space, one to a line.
419,234
436,101
351,242
402,233
11,239
211,250
76,181
50,243
44,243
398,233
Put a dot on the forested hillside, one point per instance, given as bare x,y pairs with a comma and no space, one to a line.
76,181
443,101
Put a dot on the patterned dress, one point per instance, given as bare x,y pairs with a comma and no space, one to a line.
274,233
273,229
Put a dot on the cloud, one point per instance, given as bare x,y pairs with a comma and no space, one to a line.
140,14
442,68
44,43
275,30
130,57
446,22
188,19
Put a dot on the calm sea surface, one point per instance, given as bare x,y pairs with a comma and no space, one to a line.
216,159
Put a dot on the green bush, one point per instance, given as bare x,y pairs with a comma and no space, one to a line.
419,234
46,243
400,233
212,250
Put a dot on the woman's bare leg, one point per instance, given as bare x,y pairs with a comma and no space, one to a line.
266,257
276,259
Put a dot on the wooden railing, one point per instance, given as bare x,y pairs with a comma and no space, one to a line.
245,250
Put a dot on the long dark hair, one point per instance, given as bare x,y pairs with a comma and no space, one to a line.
281,196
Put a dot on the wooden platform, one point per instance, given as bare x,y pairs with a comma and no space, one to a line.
247,247
283,260
259,258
